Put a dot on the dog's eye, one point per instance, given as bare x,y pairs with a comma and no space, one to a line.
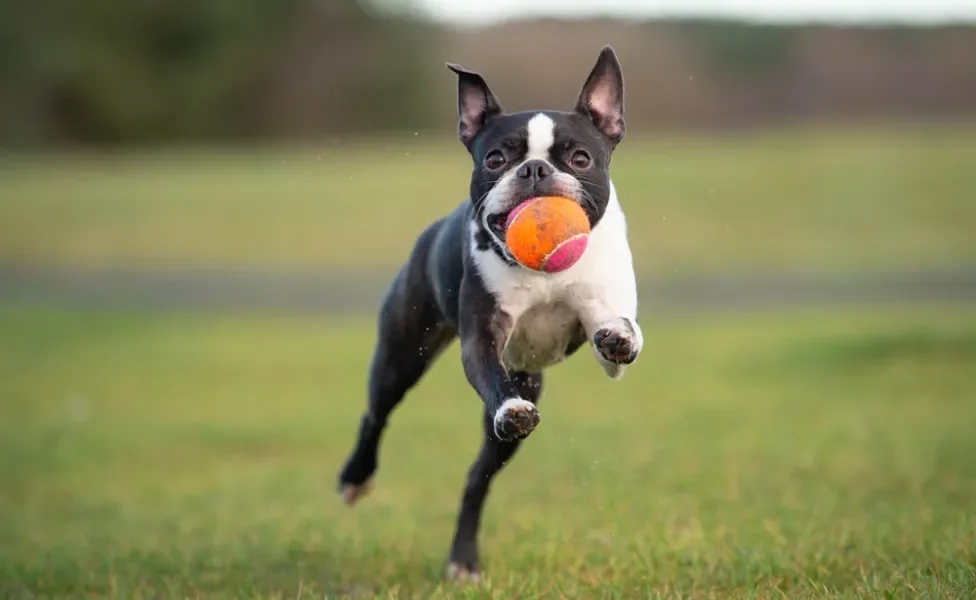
580,160
495,160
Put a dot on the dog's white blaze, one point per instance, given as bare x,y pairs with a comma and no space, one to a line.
541,137
600,289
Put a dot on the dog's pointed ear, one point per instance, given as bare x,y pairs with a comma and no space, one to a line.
602,97
476,103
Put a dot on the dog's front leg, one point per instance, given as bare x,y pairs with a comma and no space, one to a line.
513,416
485,328
609,317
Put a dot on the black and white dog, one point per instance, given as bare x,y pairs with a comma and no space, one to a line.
461,281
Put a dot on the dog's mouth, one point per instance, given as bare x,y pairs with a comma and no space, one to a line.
496,223
500,222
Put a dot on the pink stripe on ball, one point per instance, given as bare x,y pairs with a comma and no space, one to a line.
566,254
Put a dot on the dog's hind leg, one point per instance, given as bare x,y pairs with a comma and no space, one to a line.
411,335
463,561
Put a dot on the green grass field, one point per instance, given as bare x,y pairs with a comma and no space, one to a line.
776,456
848,199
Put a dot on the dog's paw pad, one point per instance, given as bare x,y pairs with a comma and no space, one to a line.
516,419
352,493
459,573
617,345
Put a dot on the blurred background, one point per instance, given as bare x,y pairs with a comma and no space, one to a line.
821,138
201,204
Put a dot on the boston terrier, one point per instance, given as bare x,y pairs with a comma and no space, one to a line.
460,281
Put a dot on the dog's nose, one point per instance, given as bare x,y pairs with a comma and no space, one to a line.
536,170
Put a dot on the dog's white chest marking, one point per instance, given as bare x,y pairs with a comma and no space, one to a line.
547,309
540,337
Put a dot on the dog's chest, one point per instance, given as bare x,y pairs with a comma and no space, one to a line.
544,321
540,337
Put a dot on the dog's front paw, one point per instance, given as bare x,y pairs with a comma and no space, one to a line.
618,342
515,419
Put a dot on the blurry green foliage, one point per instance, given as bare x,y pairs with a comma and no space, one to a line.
740,49
109,71
118,70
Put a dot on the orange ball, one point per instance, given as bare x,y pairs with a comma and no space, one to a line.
547,234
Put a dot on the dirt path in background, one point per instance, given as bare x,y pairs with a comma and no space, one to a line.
331,291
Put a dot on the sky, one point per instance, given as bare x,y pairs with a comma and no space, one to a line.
487,11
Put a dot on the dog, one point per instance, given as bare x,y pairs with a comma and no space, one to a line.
460,281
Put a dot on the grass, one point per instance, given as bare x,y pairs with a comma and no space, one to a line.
838,199
795,455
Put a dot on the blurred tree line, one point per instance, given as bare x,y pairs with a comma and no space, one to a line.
109,71
139,70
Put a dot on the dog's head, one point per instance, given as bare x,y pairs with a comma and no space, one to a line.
540,153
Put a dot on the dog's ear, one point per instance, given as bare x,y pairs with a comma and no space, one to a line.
476,103
602,97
